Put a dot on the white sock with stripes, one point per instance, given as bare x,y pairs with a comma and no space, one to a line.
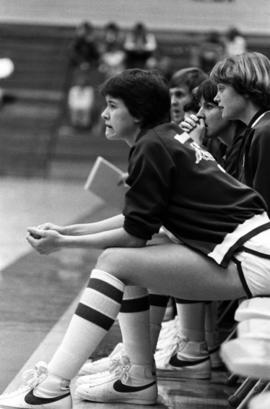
95,314
158,304
134,324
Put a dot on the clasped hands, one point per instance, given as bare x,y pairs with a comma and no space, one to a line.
45,238
195,126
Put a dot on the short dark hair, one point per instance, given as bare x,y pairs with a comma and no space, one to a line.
248,74
207,90
145,94
190,77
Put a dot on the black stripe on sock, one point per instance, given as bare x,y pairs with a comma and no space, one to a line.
181,301
158,300
106,289
94,316
135,304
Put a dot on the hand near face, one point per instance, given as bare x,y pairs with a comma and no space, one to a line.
189,123
195,127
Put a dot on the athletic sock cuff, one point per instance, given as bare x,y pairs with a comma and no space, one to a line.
108,278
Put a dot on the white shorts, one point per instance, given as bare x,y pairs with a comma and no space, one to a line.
254,265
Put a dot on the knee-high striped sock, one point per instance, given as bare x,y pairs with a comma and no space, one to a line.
191,319
95,314
158,304
134,324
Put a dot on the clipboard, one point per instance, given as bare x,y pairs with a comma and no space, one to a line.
105,180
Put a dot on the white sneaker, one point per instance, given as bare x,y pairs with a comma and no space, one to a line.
103,364
247,357
93,378
24,397
128,383
184,359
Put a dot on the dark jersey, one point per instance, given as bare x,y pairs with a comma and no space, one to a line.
255,163
176,184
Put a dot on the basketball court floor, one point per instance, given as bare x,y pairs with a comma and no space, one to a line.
38,293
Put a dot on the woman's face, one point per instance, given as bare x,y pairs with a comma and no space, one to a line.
212,114
119,123
232,104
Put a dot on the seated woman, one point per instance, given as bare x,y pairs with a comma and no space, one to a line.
208,217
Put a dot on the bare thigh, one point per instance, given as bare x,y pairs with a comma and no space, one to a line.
173,269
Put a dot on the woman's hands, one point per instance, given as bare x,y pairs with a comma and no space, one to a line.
195,126
45,238
51,226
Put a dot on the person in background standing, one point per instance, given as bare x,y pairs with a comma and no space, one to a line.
112,56
210,50
140,46
85,48
235,42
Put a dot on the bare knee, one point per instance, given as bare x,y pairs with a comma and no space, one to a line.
114,261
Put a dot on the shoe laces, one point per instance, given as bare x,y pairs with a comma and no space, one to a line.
33,377
30,379
121,367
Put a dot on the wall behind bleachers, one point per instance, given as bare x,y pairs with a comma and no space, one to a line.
192,15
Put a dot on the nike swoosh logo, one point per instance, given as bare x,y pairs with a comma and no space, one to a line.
31,399
174,361
120,387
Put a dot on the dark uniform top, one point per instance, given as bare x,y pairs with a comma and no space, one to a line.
255,163
176,184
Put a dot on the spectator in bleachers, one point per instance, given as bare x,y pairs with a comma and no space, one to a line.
140,46
85,47
81,98
210,51
235,42
112,56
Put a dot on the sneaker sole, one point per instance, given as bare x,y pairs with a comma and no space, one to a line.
130,401
185,374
